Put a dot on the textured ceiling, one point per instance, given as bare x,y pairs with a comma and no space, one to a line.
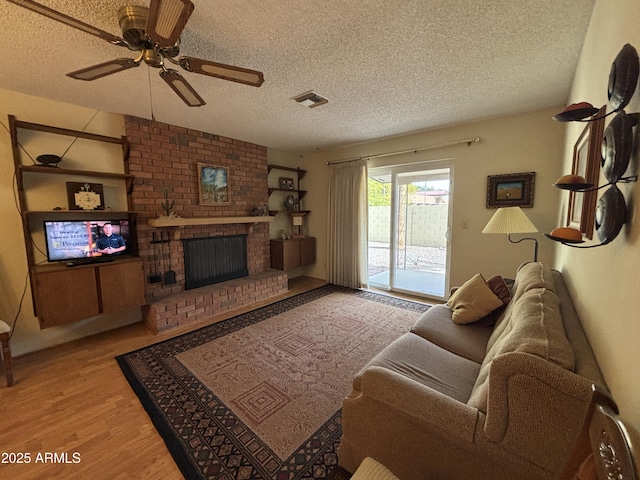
388,67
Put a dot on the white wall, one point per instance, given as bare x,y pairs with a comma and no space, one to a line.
604,281
520,143
27,336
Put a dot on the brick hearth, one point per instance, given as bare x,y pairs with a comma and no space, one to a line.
191,306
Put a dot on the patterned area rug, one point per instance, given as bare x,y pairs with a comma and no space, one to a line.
258,396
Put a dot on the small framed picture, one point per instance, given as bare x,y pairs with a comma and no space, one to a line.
286,183
510,190
213,184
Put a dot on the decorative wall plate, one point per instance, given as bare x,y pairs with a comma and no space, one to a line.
49,160
617,145
611,214
623,77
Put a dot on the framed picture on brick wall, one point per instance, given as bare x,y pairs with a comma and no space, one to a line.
213,184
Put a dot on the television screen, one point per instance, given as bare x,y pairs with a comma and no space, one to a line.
83,240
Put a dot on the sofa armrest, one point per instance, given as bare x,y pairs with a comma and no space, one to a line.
440,412
535,408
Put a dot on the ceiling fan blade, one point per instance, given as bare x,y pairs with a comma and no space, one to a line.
167,19
103,69
70,21
220,70
179,85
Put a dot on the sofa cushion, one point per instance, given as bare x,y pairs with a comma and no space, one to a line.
468,341
472,301
529,276
536,328
424,362
532,275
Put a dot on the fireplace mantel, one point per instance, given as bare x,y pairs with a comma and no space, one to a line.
177,224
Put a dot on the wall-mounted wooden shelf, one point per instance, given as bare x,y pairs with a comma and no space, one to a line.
63,295
300,193
179,223
301,173
80,173
81,214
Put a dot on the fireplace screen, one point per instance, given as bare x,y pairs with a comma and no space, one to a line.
214,259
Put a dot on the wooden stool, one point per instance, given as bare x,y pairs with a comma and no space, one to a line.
6,351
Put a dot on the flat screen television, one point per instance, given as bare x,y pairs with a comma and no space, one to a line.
85,241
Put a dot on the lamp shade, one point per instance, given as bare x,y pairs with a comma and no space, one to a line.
509,220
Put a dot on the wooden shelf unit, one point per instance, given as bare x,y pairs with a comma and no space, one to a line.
298,192
62,294
299,250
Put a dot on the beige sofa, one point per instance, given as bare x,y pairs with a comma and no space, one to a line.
450,401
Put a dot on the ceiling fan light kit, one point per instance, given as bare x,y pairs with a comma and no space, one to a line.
155,33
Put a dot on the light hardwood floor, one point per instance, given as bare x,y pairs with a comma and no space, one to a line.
73,400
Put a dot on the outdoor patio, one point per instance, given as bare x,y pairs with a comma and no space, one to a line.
418,269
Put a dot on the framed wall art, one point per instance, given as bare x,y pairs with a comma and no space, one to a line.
213,184
586,163
510,190
286,183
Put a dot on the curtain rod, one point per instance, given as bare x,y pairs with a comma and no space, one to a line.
468,141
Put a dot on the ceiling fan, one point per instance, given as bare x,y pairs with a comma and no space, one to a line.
154,32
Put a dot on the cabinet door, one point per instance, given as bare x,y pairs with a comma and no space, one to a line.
307,251
285,254
277,250
65,296
291,253
121,285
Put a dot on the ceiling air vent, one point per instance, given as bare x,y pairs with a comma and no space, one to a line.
310,99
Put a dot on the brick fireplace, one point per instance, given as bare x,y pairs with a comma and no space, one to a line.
163,158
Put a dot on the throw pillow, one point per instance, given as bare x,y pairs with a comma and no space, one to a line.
472,301
500,288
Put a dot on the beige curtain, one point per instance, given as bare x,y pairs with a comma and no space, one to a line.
347,235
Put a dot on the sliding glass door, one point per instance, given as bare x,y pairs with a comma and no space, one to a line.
408,229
